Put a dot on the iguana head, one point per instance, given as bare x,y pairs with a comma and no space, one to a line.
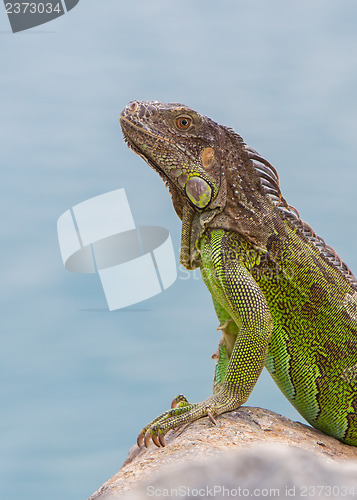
177,142
208,168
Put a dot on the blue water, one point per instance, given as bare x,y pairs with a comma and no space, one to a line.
77,382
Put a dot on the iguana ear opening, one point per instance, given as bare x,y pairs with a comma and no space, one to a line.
207,157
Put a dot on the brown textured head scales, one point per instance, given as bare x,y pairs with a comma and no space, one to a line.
207,166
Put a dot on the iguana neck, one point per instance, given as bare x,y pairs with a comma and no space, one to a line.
193,227
247,210
241,205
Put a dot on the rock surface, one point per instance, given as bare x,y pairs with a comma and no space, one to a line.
249,452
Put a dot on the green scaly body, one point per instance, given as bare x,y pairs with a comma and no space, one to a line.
283,298
313,341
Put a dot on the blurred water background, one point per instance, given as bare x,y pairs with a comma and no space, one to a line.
77,382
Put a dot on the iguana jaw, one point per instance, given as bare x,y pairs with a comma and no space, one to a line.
134,147
129,131
156,147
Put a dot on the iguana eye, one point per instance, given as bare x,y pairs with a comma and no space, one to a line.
183,122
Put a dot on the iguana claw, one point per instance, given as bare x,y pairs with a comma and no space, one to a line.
145,437
162,440
155,440
140,439
211,417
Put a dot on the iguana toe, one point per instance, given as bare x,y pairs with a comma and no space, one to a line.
185,413
156,430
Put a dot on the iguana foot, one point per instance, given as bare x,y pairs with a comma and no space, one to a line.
182,412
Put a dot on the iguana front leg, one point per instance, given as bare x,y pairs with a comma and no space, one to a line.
234,289
229,330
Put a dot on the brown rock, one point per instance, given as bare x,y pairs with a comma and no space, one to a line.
202,454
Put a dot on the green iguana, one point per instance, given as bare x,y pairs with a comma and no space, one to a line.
284,299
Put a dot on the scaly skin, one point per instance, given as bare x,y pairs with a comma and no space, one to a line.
283,298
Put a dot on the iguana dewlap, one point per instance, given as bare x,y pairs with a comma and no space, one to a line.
284,299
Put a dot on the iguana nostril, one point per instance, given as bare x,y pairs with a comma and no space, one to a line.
133,106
